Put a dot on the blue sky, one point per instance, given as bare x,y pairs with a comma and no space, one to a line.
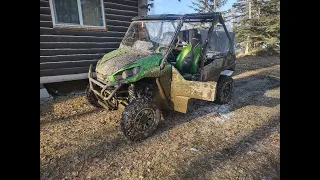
176,7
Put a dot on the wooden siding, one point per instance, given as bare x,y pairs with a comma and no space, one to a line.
65,51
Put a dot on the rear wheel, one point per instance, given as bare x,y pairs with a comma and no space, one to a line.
224,89
140,119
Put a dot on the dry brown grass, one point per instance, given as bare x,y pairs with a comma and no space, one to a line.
240,140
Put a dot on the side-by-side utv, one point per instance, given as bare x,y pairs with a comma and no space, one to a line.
162,62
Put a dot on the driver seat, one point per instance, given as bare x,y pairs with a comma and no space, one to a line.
188,58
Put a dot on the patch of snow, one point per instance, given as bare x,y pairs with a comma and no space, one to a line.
218,112
194,149
224,117
272,93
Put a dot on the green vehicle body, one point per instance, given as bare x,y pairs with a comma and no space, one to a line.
156,66
149,66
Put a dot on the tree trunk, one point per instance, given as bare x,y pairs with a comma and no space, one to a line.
248,38
258,11
247,46
249,1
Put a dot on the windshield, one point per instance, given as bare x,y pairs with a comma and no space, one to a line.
150,36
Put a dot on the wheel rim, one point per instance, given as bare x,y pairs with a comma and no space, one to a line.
227,90
144,119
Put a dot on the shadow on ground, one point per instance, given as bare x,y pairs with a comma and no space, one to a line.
46,106
249,63
199,166
66,118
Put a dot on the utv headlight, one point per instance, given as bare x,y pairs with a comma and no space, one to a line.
136,70
127,73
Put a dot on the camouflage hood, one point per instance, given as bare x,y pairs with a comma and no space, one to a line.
118,58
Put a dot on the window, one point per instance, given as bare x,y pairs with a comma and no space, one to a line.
78,13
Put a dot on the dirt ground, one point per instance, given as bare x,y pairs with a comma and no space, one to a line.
240,140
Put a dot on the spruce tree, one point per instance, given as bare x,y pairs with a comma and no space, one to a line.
259,23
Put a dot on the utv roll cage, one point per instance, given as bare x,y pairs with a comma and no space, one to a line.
214,18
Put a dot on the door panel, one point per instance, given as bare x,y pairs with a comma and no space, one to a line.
183,90
211,72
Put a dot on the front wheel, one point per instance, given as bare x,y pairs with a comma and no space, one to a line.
224,89
140,119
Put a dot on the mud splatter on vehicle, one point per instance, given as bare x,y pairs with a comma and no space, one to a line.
161,64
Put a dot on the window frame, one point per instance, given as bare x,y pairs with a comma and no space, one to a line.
77,26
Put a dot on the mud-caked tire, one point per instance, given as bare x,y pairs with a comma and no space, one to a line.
140,119
91,98
224,89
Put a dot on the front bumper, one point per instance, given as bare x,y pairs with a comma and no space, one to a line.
103,87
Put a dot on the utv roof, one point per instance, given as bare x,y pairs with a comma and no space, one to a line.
195,17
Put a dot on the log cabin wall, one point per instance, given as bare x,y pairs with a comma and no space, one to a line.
65,51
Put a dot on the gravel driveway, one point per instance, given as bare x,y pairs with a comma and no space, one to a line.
240,140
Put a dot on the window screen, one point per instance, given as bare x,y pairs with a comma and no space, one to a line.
91,12
86,13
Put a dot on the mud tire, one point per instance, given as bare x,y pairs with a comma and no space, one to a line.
140,119
224,89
